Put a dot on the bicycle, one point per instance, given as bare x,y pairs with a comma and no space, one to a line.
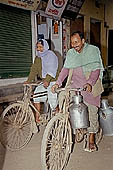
57,140
18,122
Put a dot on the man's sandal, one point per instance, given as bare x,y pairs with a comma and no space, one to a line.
92,148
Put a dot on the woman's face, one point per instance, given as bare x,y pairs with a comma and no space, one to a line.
40,47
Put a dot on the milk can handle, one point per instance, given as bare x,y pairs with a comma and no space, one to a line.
103,115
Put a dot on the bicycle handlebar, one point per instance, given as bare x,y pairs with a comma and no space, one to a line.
70,89
33,84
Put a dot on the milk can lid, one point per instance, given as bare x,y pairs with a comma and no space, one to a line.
104,104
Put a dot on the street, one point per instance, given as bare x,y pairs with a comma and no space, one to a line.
28,158
61,43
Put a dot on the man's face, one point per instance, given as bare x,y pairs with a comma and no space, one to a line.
40,47
77,43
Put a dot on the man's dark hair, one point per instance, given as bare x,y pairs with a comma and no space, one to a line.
78,32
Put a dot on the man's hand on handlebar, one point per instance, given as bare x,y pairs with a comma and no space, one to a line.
88,87
54,87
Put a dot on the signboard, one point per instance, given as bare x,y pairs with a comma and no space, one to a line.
72,9
25,4
55,7
55,29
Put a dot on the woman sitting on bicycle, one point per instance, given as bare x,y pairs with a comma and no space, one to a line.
45,67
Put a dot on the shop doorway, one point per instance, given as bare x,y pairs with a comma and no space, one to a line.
95,33
51,30
77,24
110,47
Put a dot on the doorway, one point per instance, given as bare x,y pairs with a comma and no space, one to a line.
77,24
110,47
95,33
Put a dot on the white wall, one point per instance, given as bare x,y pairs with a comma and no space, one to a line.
5,82
56,41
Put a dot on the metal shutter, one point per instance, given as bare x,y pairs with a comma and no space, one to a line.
15,42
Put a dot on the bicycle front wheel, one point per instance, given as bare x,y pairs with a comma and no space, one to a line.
15,127
56,144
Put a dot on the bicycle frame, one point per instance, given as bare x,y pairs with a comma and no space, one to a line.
81,131
66,106
57,138
18,122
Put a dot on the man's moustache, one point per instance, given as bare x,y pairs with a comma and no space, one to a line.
76,46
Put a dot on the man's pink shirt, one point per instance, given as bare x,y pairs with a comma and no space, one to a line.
79,80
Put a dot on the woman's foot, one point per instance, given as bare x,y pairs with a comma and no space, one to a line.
37,119
55,111
38,107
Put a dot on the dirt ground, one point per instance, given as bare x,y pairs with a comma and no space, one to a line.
100,160
28,158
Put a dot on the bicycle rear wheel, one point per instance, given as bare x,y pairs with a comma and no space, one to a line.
56,144
15,127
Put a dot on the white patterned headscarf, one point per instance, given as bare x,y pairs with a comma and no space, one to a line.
49,61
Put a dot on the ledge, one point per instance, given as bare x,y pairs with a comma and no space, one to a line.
11,93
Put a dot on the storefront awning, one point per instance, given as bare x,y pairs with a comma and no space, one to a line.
63,8
24,4
55,7
72,9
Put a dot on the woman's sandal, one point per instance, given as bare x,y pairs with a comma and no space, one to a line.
92,148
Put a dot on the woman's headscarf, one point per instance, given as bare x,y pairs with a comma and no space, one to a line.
49,60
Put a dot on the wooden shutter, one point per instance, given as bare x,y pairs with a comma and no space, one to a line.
15,42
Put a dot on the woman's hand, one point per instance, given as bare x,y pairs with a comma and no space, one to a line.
45,84
26,82
88,87
54,87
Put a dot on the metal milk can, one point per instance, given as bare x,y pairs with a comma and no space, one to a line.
106,118
79,116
